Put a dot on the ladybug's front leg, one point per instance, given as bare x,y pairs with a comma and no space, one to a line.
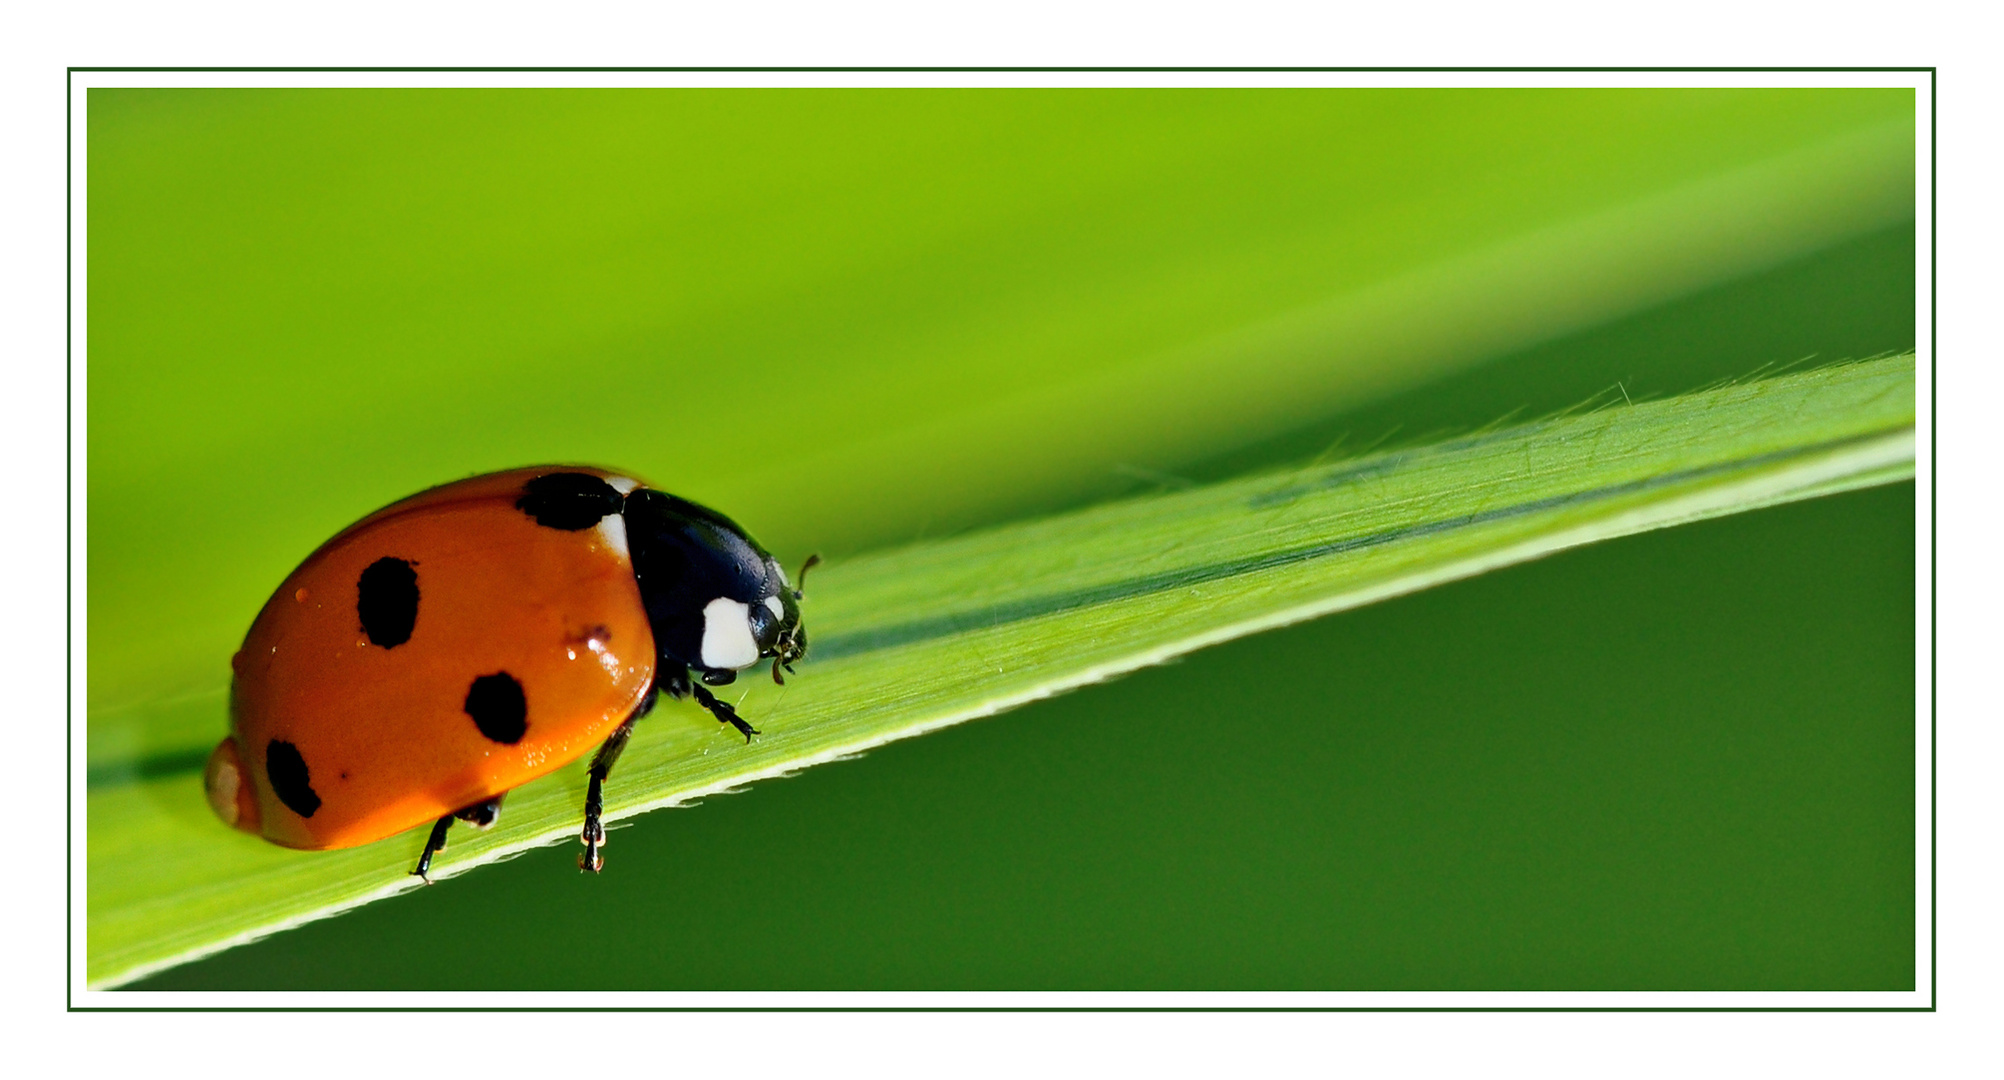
720,709
675,683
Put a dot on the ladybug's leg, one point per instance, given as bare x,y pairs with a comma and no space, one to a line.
723,712
593,836
675,683
431,846
601,765
480,815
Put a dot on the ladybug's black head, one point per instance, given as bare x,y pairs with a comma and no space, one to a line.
782,637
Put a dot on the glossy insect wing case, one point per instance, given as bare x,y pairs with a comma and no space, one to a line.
393,736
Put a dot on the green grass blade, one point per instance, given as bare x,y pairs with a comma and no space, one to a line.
913,639
834,328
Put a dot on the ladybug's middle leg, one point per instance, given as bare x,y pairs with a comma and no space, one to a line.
593,836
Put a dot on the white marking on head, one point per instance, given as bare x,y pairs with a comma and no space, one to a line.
773,605
623,484
612,533
727,636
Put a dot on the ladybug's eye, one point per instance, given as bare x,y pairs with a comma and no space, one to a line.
766,620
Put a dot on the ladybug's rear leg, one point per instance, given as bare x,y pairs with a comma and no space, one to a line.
480,815
593,836
431,847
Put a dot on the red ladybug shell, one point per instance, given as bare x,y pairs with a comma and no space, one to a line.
434,655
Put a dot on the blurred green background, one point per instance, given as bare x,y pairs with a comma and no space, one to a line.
853,318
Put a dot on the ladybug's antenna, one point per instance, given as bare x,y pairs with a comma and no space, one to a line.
791,646
801,578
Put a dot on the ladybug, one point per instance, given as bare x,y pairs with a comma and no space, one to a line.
464,641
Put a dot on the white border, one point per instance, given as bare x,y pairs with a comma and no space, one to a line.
1088,79
1924,568
1921,997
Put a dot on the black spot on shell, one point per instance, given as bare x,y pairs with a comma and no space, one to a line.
387,597
290,780
569,500
498,708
